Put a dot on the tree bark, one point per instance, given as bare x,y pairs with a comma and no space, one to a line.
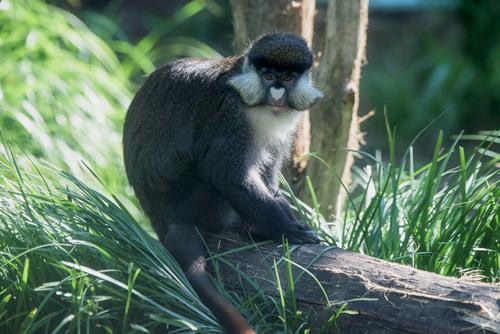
340,42
339,49
386,297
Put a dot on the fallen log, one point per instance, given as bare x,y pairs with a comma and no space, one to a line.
386,297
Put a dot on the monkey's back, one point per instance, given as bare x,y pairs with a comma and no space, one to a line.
169,124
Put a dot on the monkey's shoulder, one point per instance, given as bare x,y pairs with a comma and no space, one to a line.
199,85
198,70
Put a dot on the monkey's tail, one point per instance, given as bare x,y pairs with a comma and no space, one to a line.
184,242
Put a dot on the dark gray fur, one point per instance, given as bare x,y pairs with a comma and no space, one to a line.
188,149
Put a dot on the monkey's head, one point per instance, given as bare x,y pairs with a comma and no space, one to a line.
276,73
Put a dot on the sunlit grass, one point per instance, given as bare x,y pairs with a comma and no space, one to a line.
63,93
442,216
73,259
64,90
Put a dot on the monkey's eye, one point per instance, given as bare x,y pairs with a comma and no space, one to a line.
268,76
287,77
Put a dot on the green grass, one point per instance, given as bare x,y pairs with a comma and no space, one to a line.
74,258
443,216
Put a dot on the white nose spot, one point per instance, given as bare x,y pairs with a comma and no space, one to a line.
277,93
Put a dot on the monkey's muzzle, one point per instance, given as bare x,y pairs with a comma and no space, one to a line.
276,99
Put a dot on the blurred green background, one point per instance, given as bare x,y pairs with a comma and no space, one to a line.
427,61
425,57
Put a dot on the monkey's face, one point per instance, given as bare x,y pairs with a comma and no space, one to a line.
275,73
280,89
286,89
278,85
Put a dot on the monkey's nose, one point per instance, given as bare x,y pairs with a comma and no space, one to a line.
277,93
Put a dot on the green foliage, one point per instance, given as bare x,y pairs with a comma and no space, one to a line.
443,61
63,92
73,260
482,51
443,216
161,43
434,81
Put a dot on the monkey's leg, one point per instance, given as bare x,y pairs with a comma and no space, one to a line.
184,242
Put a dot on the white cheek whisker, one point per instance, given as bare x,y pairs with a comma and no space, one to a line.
304,94
248,84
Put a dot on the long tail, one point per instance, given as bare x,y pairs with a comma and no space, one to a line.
183,241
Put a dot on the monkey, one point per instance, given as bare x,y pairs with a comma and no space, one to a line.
204,140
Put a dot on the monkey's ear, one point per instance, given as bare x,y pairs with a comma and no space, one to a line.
248,84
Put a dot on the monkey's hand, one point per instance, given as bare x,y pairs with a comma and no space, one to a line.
295,232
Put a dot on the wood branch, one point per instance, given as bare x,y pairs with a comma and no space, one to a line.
253,18
394,298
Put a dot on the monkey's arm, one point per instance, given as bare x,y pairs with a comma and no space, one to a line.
245,190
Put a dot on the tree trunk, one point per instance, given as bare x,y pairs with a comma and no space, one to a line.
339,47
340,41
384,297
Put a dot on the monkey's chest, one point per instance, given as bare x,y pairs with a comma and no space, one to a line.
271,129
